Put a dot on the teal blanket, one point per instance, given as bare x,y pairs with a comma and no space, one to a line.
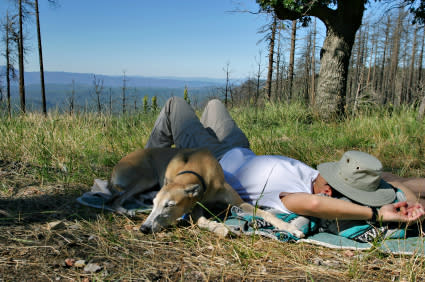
240,223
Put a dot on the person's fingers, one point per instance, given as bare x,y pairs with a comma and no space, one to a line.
399,205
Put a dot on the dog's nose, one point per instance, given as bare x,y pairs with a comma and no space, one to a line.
145,229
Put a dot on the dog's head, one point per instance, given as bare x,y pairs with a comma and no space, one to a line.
172,201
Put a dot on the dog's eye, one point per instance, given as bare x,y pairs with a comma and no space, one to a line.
170,204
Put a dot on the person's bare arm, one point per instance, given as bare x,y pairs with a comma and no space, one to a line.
331,208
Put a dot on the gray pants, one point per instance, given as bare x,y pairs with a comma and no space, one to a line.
178,124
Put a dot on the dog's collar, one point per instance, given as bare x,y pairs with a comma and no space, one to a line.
201,179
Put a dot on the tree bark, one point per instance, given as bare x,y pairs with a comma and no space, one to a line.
40,56
313,65
271,55
21,60
395,97
341,24
7,39
292,59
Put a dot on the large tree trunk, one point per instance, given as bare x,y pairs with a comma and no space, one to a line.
341,27
332,82
40,56
341,24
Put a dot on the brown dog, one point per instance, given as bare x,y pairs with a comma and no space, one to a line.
194,181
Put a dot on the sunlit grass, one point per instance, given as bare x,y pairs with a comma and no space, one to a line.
81,147
60,154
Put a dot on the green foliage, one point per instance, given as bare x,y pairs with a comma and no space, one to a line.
186,95
154,105
145,104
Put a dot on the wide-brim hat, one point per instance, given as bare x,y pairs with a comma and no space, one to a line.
357,175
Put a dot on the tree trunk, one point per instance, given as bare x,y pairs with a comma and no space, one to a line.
292,59
40,56
7,31
394,96
271,55
341,27
382,77
21,60
313,65
420,60
123,94
277,80
421,112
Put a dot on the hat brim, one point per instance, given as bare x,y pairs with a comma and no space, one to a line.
385,193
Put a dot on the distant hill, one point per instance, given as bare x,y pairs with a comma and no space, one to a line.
59,88
53,77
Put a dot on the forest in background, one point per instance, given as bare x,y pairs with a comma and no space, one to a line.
385,65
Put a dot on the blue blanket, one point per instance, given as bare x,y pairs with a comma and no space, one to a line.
241,223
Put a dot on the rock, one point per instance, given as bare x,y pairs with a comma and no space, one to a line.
69,262
55,225
92,267
348,253
80,263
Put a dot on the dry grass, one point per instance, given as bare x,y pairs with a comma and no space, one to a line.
46,164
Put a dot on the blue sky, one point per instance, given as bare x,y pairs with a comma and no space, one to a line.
180,38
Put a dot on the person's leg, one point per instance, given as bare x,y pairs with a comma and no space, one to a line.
217,118
414,184
178,124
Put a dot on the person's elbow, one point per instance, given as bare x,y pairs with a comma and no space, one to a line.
309,205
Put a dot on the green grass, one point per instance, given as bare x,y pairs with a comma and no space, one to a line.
81,147
46,162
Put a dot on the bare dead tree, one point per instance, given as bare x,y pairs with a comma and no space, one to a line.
10,37
412,66
110,100
292,58
395,51
71,99
98,88
124,88
40,57
271,40
313,65
227,87
278,60
21,58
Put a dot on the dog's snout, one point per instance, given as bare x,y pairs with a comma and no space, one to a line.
145,229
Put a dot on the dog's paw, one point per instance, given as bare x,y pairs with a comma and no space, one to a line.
298,233
218,228
221,230
125,211
291,229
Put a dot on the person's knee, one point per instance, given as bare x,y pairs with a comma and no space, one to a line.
174,102
213,103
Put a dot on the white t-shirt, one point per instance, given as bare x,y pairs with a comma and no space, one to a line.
260,179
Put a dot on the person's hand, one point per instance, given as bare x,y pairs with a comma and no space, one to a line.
402,212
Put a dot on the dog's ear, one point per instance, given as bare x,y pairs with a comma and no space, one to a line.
193,190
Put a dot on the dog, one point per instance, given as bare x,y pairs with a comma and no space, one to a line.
191,181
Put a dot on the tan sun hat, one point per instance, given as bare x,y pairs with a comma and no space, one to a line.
358,177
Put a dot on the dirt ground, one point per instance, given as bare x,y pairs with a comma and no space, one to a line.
45,235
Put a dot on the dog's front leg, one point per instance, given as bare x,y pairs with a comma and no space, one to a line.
272,219
217,227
